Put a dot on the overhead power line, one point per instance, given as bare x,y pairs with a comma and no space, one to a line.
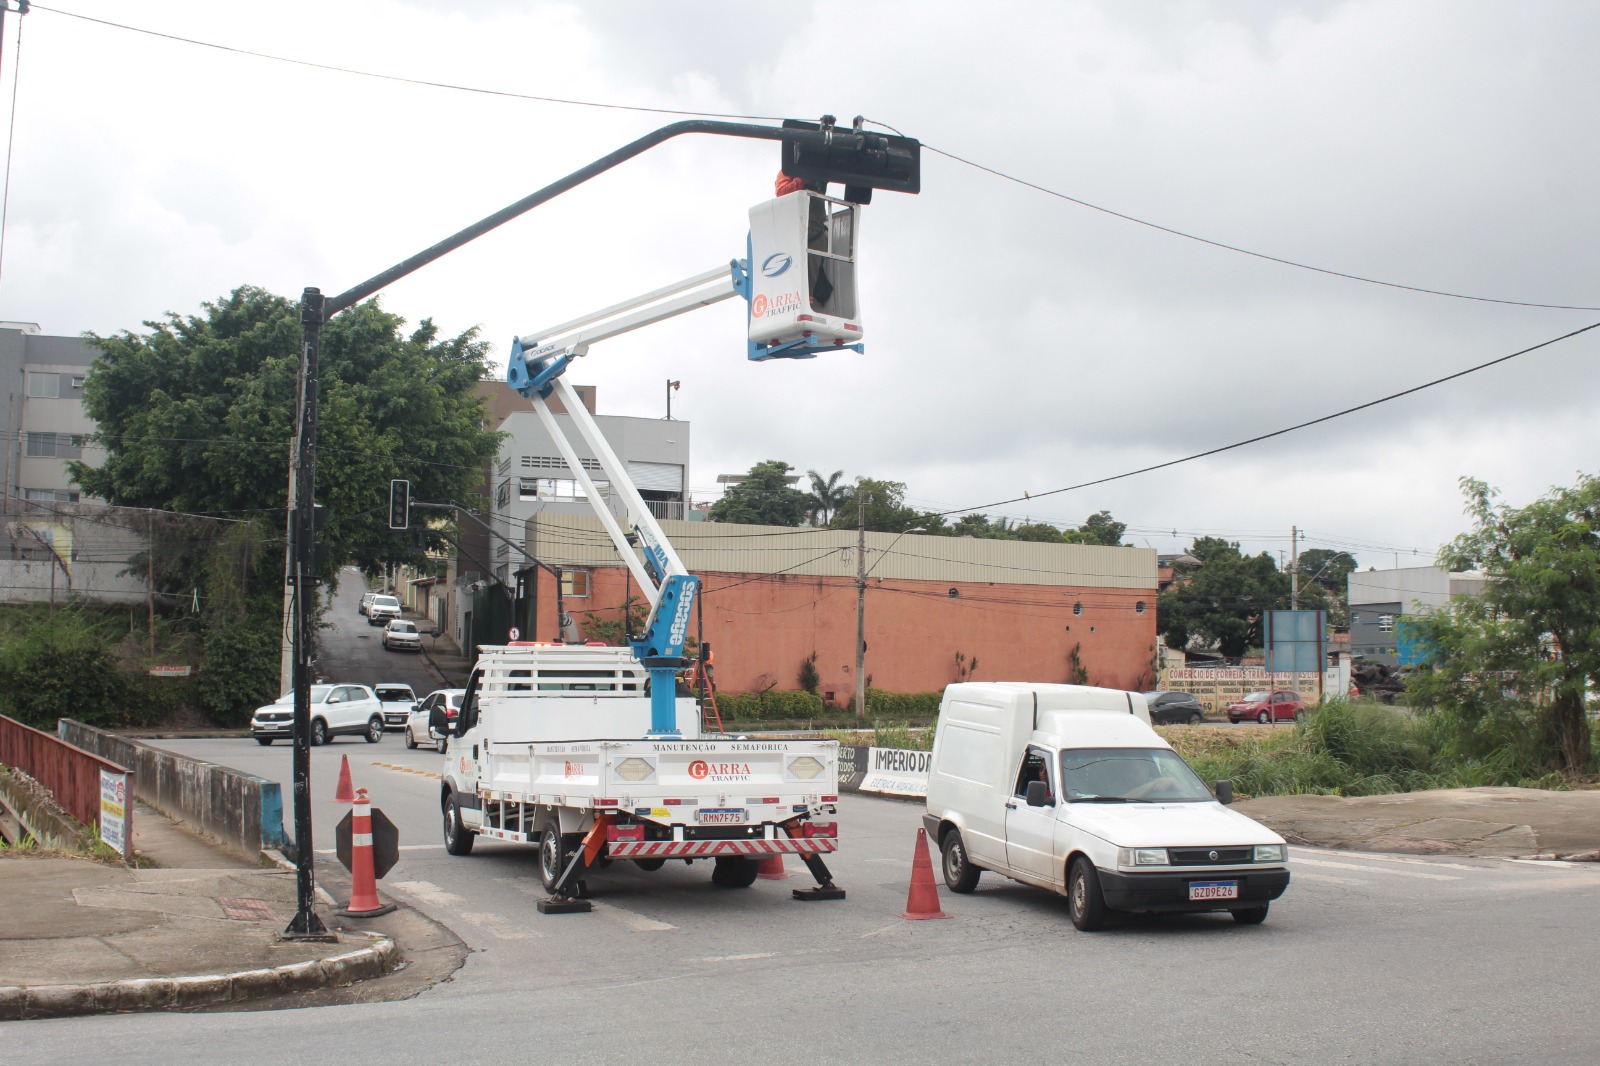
1279,432
1246,251
1003,175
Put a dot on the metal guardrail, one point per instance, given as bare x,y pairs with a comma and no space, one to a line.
70,774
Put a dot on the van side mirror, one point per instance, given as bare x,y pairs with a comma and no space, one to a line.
1038,794
436,720
1224,792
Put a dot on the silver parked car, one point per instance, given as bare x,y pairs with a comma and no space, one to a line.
382,609
403,635
417,731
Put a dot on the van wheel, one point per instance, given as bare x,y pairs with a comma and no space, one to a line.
733,872
552,854
374,730
1087,906
1251,915
319,733
959,873
458,838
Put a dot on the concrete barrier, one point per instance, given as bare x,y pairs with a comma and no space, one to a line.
240,811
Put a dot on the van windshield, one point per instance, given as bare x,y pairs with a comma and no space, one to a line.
1129,775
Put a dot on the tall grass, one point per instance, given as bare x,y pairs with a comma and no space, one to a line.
1358,749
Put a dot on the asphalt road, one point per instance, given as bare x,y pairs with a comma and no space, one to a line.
1367,958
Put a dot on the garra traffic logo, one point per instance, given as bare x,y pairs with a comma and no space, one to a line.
776,264
701,770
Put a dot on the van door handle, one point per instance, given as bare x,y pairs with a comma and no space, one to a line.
1011,805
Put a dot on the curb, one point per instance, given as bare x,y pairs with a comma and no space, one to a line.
184,993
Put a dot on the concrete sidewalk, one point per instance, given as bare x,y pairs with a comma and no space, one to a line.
199,931
1506,822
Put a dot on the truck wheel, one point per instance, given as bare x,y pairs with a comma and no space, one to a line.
1251,915
552,854
959,873
649,865
374,730
732,872
1087,906
319,733
457,837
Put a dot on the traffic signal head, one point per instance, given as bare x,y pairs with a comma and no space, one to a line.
853,158
399,504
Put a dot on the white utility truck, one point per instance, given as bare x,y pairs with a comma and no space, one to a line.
1068,788
586,750
534,760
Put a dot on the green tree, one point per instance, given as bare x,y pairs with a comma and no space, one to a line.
1039,532
883,505
197,416
1221,600
763,498
1100,528
826,496
1519,659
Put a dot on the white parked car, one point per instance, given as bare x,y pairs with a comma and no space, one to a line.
398,700
382,609
336,710
417,732
402,635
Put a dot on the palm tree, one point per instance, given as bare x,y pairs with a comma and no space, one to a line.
825,496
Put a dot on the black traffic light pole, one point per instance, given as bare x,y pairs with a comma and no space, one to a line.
821,151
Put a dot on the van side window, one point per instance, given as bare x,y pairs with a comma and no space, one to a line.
1035,767
469,703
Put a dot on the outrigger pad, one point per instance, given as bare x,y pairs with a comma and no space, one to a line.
563,905
812,895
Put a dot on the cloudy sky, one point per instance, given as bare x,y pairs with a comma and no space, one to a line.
1018,341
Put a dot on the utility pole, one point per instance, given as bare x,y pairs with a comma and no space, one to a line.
861,606
1294,568
670,386
150,576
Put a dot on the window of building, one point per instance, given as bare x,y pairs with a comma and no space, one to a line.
502,496
48,385
78,380
1138,608
1077,608
555,488
50,495
574,582
53,446
1386,623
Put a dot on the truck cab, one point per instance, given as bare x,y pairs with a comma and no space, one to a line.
1068,788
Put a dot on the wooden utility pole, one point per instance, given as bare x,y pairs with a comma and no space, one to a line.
150,575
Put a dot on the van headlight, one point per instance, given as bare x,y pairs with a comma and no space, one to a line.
1271,853
1142,857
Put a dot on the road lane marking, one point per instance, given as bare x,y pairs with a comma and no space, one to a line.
741,958
428,892
1559,864
397,768
500,927
637,922
1329,879
1370,856
1374,870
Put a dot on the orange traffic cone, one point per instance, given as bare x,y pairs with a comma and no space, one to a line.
771,869
923,900
343,794
364,902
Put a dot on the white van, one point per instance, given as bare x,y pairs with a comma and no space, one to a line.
1069,788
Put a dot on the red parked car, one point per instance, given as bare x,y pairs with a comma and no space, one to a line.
1280,705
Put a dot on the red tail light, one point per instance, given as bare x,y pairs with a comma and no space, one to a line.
820,829
628,833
